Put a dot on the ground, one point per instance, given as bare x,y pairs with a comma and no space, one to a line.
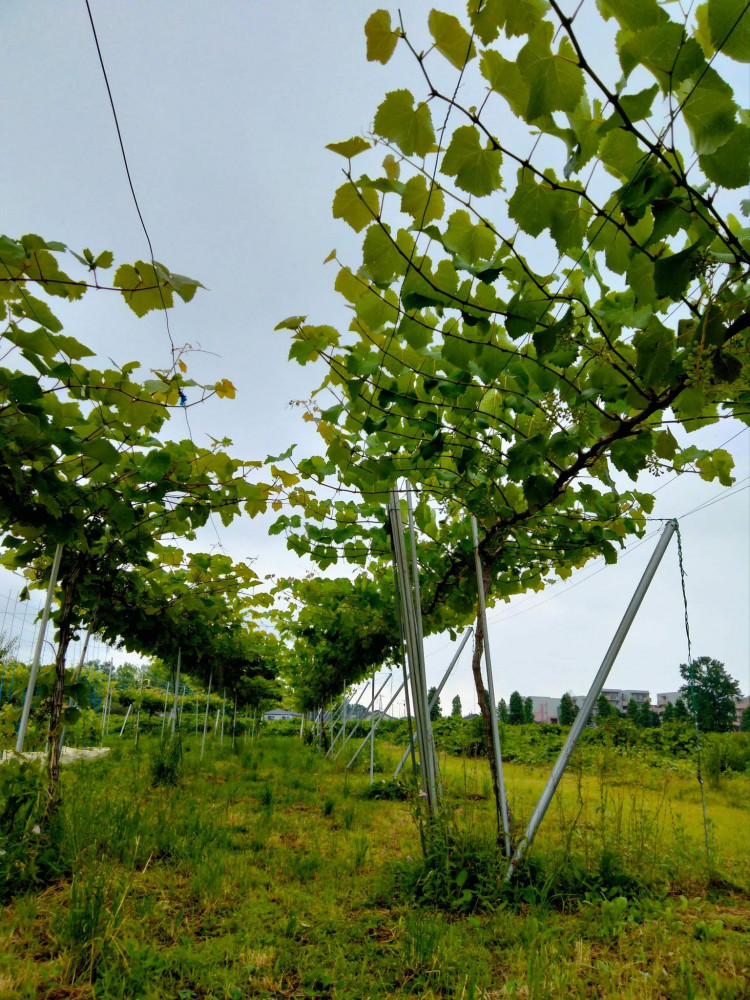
265,873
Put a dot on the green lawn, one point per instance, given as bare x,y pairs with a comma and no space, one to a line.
266,874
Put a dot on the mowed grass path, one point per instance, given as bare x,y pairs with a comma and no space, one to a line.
266,874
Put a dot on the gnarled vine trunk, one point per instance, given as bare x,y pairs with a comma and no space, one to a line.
65,632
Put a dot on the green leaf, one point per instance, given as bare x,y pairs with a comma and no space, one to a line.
39,310
690,403
673,272
729,166
349,147
356,207
381,37
717,464
633,14
545,338
290,323
729,24
422,203
382,260
474,243
476,168
727,367
524,456
452,40
664,50
709,111
409,127
504,77
101,450
654,349
155,466
631,454
24,389
140,287
105,259
555,80
538,490
536,207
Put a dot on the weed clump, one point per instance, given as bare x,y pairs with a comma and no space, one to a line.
31,843
165,763
392,790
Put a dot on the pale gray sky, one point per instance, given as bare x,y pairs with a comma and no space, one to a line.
225,111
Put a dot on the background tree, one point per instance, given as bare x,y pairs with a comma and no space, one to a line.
647,718
605,710
435,711
632,713
456,707
515,710
502,711
528,711
745,721
681,712
568,710
713,692
668,714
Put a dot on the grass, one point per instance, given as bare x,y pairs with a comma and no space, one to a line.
268,873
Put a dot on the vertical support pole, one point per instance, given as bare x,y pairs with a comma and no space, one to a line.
164,712
205,720
125,721
370,735
107,703
433,776
496,749
24,723
216,724
176,703
587,708
356,726
407,619
343,716
372,731
234,719
412,618
346,740
436,695
138,713
223,716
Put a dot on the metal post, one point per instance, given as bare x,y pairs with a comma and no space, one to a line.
587,708
23,725
372,732
106,706
343,717
356,726
496,749
175,706
127,716
436,695
205,720
333,742
234,718
223,716
412,619
164,713
138,713
432,773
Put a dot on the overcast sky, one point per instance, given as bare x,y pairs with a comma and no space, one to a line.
225,111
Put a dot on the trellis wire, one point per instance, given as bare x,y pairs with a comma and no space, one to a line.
691,666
